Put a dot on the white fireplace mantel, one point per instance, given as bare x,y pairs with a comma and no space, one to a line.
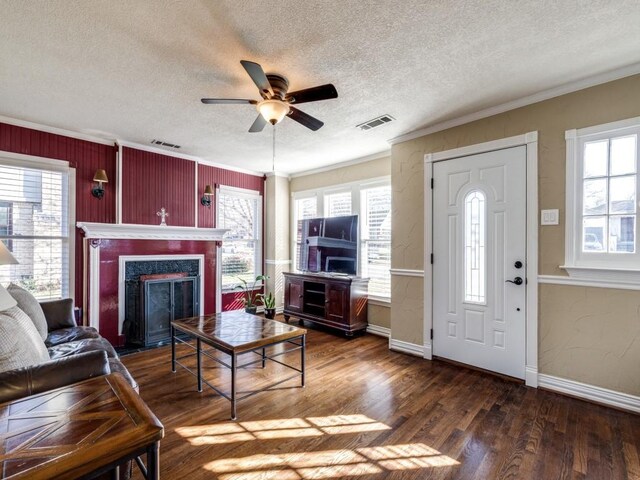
116,231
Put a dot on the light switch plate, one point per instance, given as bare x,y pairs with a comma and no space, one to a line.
549,217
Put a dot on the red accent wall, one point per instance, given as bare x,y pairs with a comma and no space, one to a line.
86,157
111,250
214,176
151,181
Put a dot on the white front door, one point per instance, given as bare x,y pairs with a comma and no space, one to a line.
479,264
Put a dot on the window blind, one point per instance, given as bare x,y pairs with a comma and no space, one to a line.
338,204
240,213
376,239
34,225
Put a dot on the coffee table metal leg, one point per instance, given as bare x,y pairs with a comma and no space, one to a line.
115,473
264,357
302,351
199,363
234,366
173,349
153,461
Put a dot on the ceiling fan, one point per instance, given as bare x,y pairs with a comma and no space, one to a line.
276,102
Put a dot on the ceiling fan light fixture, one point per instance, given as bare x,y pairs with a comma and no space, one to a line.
273,111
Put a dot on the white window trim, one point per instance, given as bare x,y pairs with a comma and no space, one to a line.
592,271
30,161
250,194
320,195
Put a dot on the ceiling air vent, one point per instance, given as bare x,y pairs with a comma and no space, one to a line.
164,144
376,122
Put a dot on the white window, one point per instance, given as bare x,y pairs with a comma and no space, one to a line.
602,201
371,201
304,208
34,225
376,239
240,211
337,204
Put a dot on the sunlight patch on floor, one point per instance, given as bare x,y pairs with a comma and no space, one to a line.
330,463
231,432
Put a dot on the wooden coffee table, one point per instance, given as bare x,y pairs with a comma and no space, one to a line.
236,333
78,431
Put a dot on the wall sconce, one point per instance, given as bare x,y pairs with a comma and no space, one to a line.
206,197
100,177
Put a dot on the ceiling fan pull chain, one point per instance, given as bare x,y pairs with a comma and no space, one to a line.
274,150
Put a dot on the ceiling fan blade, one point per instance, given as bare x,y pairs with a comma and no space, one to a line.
305,119
322,92
258,124
258,76
228,101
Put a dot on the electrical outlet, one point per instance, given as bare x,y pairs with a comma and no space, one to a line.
549,217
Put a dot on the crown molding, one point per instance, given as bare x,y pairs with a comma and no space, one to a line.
348,163
55,130
570,87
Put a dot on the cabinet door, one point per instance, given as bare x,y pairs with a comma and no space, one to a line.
337,302
293,294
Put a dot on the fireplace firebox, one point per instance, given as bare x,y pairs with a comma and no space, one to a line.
155,296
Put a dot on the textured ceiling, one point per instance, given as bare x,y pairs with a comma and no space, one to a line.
135,70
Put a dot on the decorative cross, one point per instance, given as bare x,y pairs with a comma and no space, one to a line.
163,216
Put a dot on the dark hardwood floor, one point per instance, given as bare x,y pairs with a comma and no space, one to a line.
371,413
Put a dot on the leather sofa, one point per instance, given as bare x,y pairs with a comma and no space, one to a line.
77,353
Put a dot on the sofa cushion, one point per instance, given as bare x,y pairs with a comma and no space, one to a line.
30,305
71,334
26,381
80,346
20,342
59,313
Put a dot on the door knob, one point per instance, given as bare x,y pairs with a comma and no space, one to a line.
517,281
518,264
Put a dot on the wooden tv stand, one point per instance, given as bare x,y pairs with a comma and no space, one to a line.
336,301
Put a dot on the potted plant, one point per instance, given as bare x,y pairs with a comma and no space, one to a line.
269,302
250,293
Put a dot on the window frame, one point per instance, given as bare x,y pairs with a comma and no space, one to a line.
9,226
321,194
42,163
252,195
616,267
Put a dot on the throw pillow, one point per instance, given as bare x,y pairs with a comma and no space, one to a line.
20,342
29,305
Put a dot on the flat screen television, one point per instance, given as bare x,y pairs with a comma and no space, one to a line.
329,245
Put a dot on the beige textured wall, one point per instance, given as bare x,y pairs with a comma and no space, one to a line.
601,104
277,234
592,334
377,314
379,167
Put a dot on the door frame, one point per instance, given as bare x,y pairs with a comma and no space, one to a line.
530,141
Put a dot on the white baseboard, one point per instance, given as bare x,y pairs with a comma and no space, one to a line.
406,347
380,331
531,377
427,351
604,396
